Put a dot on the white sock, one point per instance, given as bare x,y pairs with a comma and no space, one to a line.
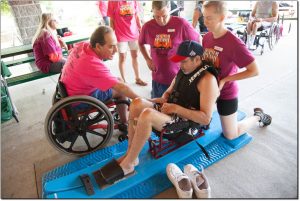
252,40
248,40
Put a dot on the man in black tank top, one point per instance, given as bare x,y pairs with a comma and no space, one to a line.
191,96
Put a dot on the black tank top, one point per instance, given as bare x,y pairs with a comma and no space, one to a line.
185,92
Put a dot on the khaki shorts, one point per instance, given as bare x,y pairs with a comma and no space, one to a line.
122,46
264,24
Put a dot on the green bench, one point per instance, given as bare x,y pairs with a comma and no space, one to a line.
27,77
11,81
26,60
19,61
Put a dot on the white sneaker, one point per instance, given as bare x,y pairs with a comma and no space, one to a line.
199,181
252,47
180,181
248,41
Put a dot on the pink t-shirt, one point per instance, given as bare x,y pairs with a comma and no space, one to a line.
42,48
84,72
228,53
164,41
103,7
124,15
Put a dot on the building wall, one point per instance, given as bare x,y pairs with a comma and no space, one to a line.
27,14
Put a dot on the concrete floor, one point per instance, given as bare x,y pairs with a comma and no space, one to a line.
266,168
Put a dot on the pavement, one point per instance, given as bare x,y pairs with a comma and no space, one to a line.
266,168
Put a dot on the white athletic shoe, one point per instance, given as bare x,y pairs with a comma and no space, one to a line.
252,47
180,181
199,181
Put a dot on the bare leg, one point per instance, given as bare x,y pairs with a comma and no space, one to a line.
249,27
138,80
233,129
135,64
122,59
148,118
136,108
254,29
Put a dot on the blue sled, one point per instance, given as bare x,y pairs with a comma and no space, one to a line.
150,178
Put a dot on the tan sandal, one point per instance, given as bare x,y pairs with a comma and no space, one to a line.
141,82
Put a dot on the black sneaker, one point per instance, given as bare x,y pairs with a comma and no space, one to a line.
265,119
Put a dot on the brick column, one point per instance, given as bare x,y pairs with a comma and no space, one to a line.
27,14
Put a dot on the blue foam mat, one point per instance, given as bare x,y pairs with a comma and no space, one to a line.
150,178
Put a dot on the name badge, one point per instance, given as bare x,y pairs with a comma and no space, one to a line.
171,30
220,49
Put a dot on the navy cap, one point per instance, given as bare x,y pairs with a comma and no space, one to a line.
188,48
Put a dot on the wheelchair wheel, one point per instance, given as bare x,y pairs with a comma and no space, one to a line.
56,97
290,27
78,125
273,36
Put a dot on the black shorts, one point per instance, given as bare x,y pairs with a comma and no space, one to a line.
227,107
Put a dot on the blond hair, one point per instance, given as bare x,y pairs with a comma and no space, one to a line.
45,28
220,6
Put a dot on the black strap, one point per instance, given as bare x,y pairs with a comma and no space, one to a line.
86,180
202,148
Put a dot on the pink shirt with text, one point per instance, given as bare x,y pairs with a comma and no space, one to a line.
103,7
124,15
227,53
164,41
84,72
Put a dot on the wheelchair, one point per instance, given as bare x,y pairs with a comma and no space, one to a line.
79,125
270,34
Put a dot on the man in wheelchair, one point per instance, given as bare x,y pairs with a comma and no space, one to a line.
85,72
191,97
263,15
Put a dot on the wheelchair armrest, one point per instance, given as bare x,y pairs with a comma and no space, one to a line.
118,102
62,89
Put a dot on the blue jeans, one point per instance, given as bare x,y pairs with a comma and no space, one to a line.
158,89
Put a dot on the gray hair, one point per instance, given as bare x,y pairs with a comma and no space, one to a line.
98,35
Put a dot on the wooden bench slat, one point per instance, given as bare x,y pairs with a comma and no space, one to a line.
27,77
19,61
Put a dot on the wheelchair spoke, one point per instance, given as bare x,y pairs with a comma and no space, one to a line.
94,121
87,142
96,133
72,144
63,133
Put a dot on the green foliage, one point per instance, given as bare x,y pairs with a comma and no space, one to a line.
5,8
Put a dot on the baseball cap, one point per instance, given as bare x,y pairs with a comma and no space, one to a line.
188,48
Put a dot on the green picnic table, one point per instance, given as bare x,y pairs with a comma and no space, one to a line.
25,49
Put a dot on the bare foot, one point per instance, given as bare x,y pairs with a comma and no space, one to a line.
127,169
135,163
